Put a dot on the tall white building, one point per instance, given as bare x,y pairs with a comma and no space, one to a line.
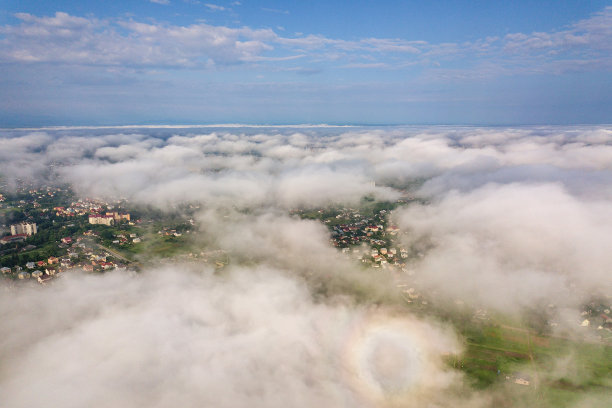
102,219
27,228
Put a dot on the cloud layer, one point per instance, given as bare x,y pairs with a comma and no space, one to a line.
189,338
288,167
524,209
513,246
503,218
68,39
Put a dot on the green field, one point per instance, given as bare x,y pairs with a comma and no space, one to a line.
560,371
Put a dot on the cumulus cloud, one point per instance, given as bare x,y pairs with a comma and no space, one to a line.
512,245
290,168
217,169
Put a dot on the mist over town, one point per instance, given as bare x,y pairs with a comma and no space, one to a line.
244,259
271,204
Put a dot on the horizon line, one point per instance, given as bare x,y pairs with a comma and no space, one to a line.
302,125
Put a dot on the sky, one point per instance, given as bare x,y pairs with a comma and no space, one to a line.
281,62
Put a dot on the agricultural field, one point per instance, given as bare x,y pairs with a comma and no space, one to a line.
540,370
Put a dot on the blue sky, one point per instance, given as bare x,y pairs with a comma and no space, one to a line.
275,62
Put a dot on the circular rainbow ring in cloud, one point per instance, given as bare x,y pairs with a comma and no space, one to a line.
397,359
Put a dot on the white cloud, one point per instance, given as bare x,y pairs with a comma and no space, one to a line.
514,218
292,169
76,40
180,336
508,246
593,33
88,41
215,7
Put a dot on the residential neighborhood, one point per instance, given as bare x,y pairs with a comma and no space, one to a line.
49,231
48,239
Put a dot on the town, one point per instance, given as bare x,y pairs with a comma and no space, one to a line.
49,235
49,232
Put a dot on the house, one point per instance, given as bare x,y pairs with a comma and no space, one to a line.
30,265
37,274
5,269
23,275
88,268
40,263
52,260
521,381
66,262
43,280
13,238
392,229
66,240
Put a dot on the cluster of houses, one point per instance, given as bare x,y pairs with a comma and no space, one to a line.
361,229
597,315
384,256
79,255
122,239
38,193
167,232
95,210
344,235
81,207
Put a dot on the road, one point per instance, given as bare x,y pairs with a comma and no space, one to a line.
113,253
